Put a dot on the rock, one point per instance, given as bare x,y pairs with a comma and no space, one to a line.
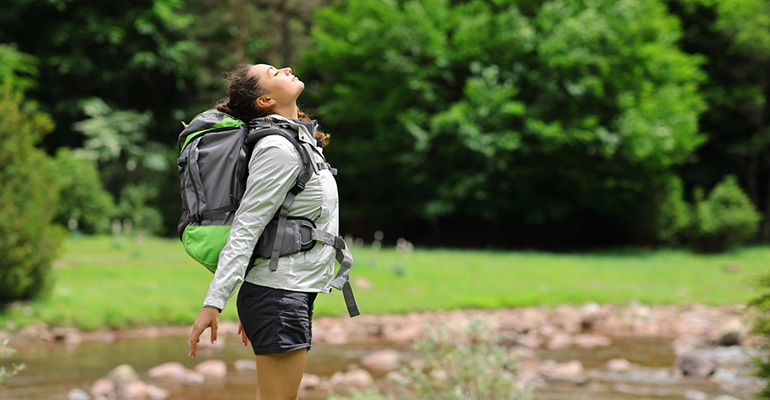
405,333
355,379
731,267
618,365
103,387
530,341
725,397
559,341
69,336
156,393
729,339
194,377
310,381
695,395
212,368
123,374
569,372
78,394
36,332
362,283
132,390
382,361
172,371
245,365
695,365
590,341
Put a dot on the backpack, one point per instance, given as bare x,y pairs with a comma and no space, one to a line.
214,152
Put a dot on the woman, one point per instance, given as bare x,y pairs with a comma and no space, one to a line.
275,307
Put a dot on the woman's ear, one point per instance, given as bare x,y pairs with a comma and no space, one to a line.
265,101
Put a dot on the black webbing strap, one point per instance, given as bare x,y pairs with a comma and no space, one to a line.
279,233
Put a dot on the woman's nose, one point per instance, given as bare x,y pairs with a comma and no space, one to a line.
286,70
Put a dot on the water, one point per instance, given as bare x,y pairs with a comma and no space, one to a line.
53,369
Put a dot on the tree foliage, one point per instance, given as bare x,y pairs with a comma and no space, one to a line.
734,37
28,199
501,115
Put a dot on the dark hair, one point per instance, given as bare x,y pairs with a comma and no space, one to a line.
243,89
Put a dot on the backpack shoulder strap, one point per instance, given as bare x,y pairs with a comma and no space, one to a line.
267,128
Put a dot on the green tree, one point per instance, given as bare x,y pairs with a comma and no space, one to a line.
734,36
28,199
497,122
133,54
132,167
83,200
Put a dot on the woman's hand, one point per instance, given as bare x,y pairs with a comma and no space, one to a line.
244,338
208,317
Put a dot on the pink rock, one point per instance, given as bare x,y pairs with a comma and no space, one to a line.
123,374
355,379
406,333
194,377
103,387
590,341
245,365
212,368
362,283
310,381
560,341
172,371
156,393
382,361
618,365
132,390
570,372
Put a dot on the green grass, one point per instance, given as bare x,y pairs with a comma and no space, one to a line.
102,282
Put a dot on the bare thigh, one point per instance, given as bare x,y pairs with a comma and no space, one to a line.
279,375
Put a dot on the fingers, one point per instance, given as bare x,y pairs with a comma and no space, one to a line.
214,328
195,336
242,332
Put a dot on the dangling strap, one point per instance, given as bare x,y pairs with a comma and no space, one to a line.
341,281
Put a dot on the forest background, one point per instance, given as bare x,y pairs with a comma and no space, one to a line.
558,125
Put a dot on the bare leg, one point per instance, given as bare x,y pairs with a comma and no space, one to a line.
279,375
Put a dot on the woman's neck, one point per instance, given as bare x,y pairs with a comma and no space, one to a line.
288,111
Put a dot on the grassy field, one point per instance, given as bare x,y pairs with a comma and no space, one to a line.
102,282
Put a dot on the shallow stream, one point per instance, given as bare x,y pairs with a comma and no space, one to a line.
53,369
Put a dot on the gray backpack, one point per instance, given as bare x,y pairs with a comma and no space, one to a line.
215,149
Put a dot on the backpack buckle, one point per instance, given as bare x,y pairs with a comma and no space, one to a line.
298,187
197,217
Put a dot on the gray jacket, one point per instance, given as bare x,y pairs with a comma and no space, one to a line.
273,170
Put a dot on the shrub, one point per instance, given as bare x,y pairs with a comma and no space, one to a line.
727,218
457,367
762,328
82,197
6,374
28,200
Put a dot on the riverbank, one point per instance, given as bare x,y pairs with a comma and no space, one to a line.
563,349
105,282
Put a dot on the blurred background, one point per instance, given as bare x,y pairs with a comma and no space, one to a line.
556,126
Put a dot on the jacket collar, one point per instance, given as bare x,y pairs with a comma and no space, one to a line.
306,129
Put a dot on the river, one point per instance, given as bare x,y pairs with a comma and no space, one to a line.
53,369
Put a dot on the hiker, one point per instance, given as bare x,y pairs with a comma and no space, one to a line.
275,302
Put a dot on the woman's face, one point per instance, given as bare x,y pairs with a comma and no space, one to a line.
279,84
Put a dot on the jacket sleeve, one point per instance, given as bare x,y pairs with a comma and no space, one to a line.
273,170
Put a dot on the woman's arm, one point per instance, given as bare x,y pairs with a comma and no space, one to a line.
273,170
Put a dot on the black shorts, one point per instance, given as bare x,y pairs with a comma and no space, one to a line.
276,320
